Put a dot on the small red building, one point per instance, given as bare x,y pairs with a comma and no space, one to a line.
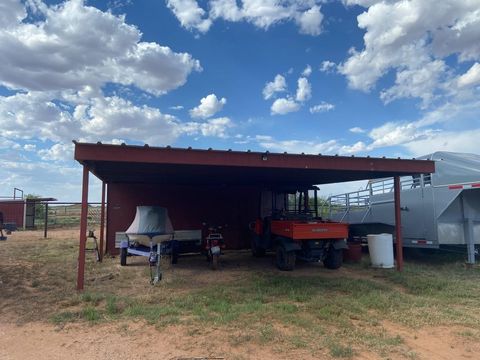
13,212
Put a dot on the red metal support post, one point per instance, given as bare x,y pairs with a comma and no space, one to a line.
398,223
102,221
83,230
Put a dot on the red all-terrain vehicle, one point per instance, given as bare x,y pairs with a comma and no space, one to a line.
294,230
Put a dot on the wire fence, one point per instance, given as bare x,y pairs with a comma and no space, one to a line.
66,216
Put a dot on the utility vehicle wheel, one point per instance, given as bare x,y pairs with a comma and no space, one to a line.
256,250
123,256
334,258
215,262
285,259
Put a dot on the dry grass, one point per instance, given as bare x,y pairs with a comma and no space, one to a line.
339,313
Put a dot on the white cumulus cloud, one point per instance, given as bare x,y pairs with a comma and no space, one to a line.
58,152
328,66
304,90
357,130
261,13
417,82
217,127
63,60
289,103
457,141
11,12
279,84
412,39
307,71
471,77
77,45
190,15
209,106
322,107
284,106
297,146
310,21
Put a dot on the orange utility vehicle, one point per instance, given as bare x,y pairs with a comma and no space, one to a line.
293,228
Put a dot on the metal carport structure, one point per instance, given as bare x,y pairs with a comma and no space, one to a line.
140,173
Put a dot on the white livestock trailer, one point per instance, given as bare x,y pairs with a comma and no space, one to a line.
442,208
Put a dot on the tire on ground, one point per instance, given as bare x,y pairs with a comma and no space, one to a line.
256,250
123,256
285,259
334,258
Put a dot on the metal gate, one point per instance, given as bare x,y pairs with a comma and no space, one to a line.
29,215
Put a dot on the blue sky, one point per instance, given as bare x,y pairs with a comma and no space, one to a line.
353,77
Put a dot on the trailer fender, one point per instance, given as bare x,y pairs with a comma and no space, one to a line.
288,244
340,244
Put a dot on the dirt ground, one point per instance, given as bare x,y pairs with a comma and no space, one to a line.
136,340
29,297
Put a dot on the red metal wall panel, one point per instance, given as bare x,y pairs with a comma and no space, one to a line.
13,212
188,207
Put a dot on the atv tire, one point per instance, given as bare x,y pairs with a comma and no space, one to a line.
334,258
257,251
285,259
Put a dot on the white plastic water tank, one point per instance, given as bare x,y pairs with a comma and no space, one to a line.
380,247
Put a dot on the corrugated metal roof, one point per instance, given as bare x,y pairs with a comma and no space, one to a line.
136,164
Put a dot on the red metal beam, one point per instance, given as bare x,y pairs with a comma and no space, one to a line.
83,231
85,152
398,223
102,221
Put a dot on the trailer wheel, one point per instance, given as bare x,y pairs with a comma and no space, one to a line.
334,258
285,259
123,257
257,251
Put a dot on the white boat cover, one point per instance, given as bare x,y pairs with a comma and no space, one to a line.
151,221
